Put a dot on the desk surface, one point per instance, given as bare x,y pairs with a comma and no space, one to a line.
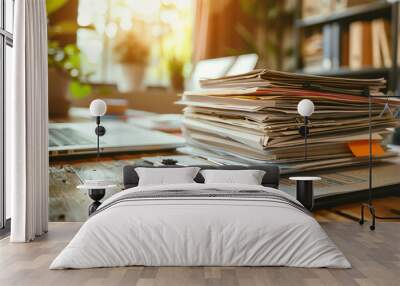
69,204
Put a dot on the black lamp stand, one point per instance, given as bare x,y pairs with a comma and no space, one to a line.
304,188
304,131
305,193
369,204
100,131
97,194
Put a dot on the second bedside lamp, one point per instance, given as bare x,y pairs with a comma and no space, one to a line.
98,108
305,108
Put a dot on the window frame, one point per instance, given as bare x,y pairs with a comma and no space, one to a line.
6,39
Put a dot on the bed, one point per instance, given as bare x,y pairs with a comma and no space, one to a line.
198,224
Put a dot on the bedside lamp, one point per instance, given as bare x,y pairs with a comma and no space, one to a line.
98,108
305,108
97,188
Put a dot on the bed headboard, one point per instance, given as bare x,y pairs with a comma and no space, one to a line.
270,179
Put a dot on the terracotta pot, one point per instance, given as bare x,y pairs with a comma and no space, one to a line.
58,91
177,82
132,77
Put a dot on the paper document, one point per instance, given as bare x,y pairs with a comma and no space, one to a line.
254,118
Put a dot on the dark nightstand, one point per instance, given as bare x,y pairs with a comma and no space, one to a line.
304,190
96,192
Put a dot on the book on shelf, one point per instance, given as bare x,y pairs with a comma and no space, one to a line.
313,8
398,39
312,50
360,44
335,45
327,46
376,54
344,48
321,49
369,44
340,5
383,28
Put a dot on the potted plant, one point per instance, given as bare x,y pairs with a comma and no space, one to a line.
65,78
273,19
64,57
132,53
175,68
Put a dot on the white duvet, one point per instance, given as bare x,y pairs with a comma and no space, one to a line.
193,231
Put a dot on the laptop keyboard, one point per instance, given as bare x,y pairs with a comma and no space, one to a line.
67,137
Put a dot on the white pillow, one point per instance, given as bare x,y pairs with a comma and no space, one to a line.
166,176
248,177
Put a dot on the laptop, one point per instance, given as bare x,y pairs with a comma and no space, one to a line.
79,139
243,64
217,67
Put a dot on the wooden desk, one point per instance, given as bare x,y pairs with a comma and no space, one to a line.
69,204
142,100
66,203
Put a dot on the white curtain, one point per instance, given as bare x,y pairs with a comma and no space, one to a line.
27,124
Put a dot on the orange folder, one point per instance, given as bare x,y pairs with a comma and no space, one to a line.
361,148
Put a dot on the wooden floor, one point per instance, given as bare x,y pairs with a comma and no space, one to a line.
375,257
387,207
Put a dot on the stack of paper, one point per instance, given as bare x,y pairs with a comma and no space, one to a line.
253,117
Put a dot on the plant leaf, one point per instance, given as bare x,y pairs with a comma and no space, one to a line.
53,5
79,90
63,28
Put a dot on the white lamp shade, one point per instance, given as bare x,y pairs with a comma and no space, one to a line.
305,107
98,107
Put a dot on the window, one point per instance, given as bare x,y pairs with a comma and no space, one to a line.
165,26
6,43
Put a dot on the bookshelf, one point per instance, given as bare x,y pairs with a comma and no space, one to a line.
353,13
362,73
332,62
371,53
